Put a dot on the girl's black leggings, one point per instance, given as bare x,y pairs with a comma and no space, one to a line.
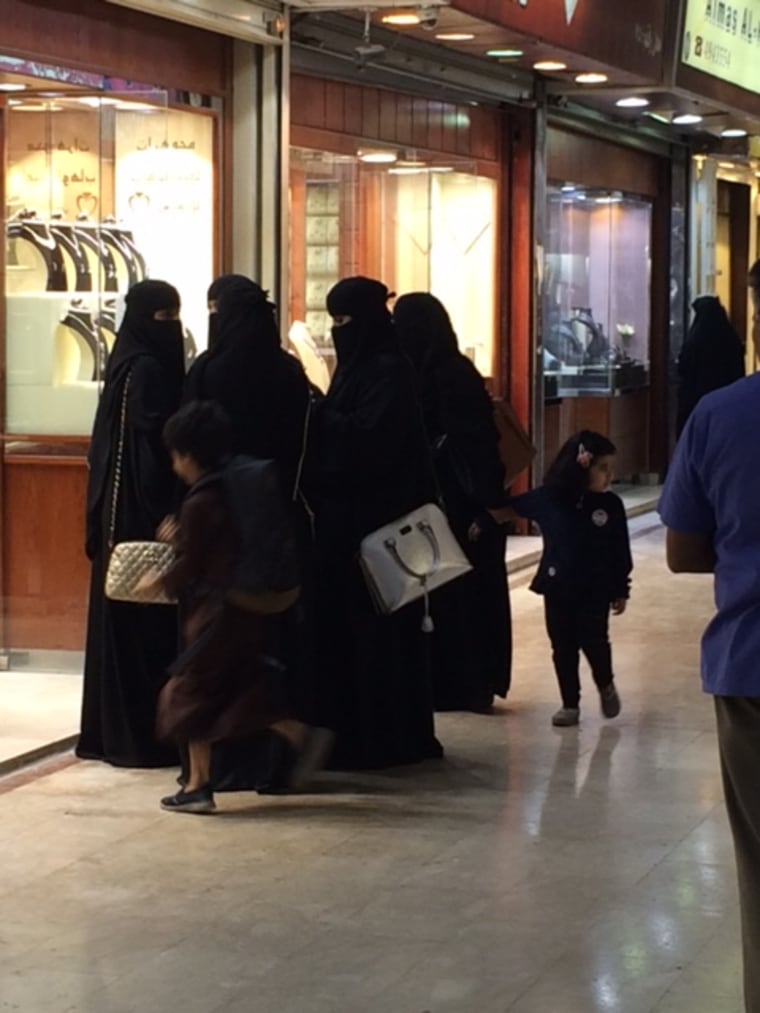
574,627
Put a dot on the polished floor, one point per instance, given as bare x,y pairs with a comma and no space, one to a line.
532,871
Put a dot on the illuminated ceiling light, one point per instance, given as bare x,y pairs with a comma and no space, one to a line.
632,102
687,119
12,87
568,188
442,168
377,156
402,19
505,54
411,163
455,36
549,66
407,170
591,78
733,132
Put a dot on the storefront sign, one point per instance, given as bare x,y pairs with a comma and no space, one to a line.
626,36
723,39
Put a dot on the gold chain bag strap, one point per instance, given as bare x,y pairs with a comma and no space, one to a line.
129,561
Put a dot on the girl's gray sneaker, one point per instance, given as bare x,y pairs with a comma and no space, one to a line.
566,717
610,701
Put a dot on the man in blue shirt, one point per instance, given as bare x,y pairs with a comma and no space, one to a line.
711,509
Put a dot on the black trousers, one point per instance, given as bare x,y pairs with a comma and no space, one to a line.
575,626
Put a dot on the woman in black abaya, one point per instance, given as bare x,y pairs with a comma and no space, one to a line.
373,467
266,395
472,643
712,356
129,647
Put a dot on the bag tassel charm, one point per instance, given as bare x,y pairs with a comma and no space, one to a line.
428,626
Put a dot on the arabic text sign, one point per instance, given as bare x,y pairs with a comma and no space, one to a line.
723,39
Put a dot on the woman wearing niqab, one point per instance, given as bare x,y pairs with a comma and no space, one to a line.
262,388
472,642
372,671
265,393
130,647
712,356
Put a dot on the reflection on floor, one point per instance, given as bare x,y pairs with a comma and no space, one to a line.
535,870
36,708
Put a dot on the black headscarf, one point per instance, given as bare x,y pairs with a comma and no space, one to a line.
424,330
370,329
141,334
232,284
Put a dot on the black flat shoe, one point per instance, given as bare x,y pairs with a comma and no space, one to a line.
199,801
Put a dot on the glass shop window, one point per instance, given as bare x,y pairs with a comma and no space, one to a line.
417,223
596,292
101,192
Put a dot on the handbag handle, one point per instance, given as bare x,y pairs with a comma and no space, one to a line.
119,462
426,529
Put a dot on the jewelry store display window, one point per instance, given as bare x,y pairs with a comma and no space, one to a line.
418,222
101,191
597,299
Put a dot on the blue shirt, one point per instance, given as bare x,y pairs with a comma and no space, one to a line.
713,488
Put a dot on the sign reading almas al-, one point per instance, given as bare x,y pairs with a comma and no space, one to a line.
723,39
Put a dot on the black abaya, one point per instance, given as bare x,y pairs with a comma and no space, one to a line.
129,647
712,357
372,670
472,643
266,395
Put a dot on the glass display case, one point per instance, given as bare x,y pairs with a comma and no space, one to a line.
101,192
596,293
418,223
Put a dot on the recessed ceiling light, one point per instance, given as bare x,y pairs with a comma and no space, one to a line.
632,102
733,132
455,36
12,87
591,78
505,54
568,188
687,119
549,66
377,156
403,19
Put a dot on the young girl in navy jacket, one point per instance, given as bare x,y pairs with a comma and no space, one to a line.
585,568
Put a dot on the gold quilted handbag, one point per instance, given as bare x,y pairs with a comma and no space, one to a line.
132,560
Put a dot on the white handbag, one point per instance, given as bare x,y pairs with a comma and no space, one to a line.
411,557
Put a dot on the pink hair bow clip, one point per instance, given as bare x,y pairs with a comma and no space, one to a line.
584,457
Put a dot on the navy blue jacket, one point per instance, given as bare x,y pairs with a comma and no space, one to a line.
587,551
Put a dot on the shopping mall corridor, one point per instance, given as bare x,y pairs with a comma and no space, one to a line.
534,871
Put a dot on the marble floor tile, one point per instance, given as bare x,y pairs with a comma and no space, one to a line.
534,870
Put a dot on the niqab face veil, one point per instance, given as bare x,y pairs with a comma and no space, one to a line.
141,334
370,327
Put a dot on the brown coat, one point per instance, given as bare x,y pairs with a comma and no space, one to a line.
220,689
